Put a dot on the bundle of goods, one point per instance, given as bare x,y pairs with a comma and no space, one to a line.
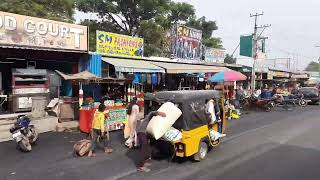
158,125
82,147
172,135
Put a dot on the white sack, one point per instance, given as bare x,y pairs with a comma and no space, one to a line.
159,125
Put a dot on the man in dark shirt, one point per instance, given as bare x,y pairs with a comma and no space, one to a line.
145,149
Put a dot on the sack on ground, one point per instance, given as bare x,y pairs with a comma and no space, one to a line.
82,147
172,135
159,125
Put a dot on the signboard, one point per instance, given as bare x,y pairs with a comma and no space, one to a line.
116,118
186,43
117,45
31,32
281,74
214,55
246,45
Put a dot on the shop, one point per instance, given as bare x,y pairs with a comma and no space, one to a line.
183,76
31,49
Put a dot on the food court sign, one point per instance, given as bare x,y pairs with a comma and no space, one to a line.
118,45
31,32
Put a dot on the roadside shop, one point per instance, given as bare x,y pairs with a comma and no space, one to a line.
30,50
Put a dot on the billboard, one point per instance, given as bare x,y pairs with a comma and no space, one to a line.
186,43
31,32
246,45
214,55
117,45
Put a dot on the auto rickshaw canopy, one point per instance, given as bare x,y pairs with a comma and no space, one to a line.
192,104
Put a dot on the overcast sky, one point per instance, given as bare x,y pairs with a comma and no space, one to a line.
294,32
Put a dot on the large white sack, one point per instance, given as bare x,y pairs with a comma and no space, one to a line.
159,125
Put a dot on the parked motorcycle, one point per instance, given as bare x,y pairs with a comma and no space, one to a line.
280,101
298,99
24,134
255,102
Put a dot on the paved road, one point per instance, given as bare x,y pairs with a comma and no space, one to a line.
274,145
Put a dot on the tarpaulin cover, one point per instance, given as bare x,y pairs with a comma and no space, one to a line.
192,105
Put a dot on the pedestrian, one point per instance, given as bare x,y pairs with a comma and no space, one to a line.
143,138
98,130
133,112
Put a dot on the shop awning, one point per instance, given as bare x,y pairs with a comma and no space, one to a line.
179,68
132,66
85,75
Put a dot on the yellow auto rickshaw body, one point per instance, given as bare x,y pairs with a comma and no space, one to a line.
193,123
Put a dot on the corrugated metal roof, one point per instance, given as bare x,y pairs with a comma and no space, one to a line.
129,65
180,68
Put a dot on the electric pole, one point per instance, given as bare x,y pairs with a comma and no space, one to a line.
256,38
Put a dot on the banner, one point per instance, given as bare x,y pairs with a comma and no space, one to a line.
117,45
37,33
186,43
214,55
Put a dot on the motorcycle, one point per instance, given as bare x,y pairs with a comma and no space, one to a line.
280,101
298,99
24,134
256,102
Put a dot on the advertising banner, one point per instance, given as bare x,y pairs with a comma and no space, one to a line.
186,43
214,55
36,33
117,45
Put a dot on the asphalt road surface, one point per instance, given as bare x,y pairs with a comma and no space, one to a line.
276,145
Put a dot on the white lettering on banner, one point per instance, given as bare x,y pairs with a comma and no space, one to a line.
30,31
42,28
29,26
10,23
55,31
77,33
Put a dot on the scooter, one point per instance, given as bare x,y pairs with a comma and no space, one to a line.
24,134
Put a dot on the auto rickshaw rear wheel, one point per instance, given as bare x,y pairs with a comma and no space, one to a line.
202,153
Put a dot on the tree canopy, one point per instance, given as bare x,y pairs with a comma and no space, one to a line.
229,59
60,10
313,66
149,19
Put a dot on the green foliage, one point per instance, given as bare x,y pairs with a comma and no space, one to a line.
207,28
60,10
149,19
212,42
229,59
313,66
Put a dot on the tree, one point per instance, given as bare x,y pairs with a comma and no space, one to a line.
212,42
126,16
229,59
313,66
149,19
60,10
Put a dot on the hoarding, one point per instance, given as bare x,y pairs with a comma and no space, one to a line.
214,55
36,33
186,43
246,45
117,45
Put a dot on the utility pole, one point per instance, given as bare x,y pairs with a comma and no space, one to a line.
256,38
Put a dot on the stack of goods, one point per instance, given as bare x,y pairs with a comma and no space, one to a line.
158,126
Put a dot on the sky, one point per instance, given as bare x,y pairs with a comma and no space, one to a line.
294,31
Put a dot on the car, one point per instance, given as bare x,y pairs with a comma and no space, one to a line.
311,94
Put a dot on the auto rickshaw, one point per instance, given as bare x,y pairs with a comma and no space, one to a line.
194,122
